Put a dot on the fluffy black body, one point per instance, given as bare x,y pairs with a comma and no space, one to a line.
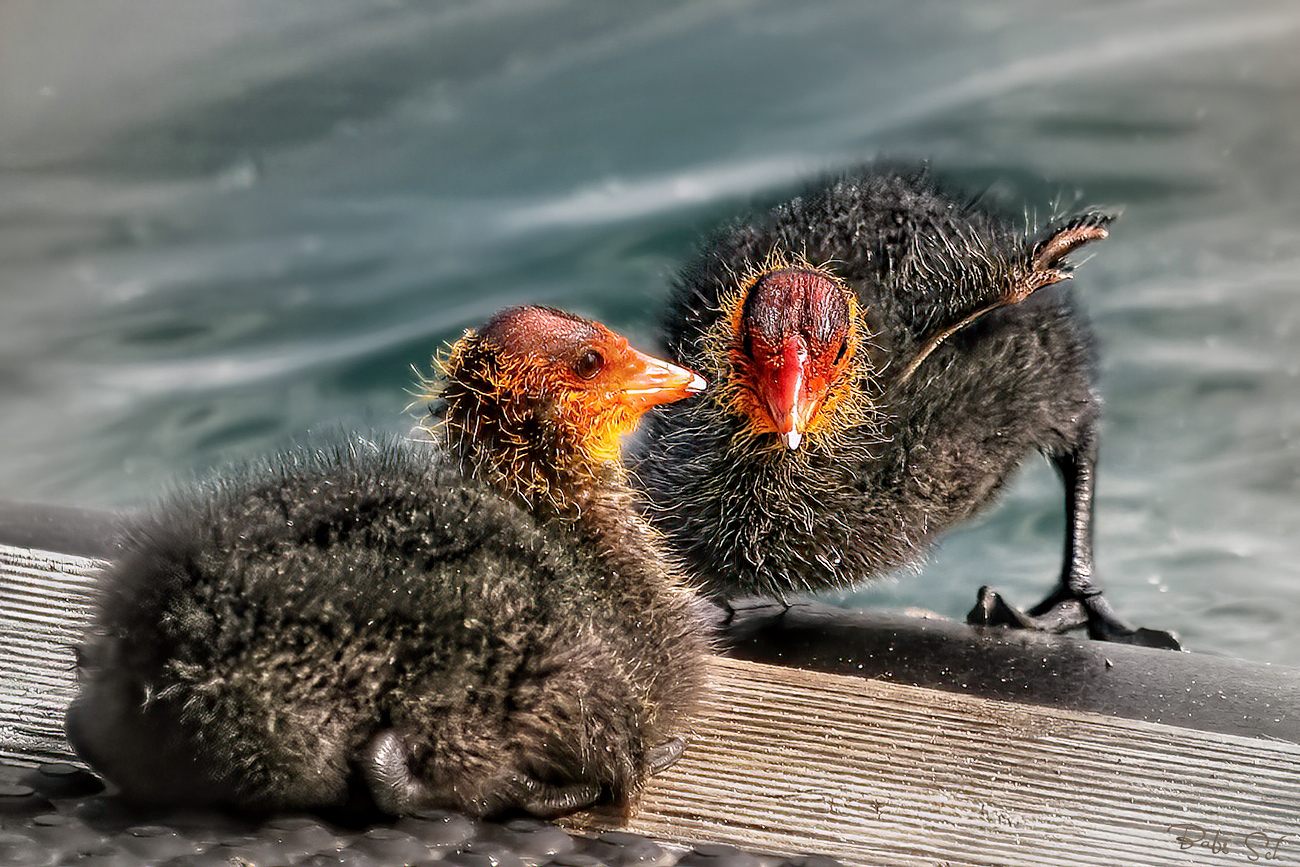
932,448
358,614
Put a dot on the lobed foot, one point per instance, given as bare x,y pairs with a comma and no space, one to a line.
1061,612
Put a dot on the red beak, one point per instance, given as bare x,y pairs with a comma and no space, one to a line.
783,390
651,381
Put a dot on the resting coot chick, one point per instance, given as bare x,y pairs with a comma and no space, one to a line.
493,630
881,359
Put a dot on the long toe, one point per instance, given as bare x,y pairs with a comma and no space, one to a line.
1105,625
1061,613
991,609
1140,636
1159,638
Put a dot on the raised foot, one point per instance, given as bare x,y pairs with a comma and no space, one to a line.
1056,614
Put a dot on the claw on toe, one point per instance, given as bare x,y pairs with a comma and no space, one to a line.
1143,637
993,610
665,754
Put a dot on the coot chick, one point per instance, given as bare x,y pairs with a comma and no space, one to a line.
491,630
882,357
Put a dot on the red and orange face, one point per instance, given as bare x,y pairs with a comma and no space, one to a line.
794,338
599,384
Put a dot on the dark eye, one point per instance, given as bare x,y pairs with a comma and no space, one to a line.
589,364
844,350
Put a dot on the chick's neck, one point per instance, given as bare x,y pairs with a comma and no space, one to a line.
510,431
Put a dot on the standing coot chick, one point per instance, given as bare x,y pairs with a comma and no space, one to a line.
881,358
492,628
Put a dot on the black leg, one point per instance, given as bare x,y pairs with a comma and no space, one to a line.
1077,600
1077,469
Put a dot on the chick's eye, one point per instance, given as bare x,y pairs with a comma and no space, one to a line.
844,350
589,364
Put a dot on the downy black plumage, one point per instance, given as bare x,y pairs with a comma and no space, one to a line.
881,357
486,626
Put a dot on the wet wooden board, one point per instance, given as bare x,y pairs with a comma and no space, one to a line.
796,761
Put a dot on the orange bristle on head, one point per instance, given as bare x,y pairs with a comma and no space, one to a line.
793,339
539,393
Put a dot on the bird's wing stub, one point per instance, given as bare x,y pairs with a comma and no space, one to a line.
1047,259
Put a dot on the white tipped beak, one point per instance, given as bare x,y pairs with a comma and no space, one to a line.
651,381
792,439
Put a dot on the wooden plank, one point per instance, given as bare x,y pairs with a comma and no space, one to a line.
44,605
794,761
1191,690
870,771
1232,696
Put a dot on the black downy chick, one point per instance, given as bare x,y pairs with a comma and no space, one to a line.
881,358
492,630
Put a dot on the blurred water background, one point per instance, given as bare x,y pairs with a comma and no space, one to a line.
226,225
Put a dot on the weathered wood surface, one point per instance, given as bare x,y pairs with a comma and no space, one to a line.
1192,690
794,761
44,600
870,771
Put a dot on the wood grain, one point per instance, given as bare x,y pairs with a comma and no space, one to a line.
44,605
872,772
797,762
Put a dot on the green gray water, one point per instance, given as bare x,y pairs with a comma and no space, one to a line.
226,225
